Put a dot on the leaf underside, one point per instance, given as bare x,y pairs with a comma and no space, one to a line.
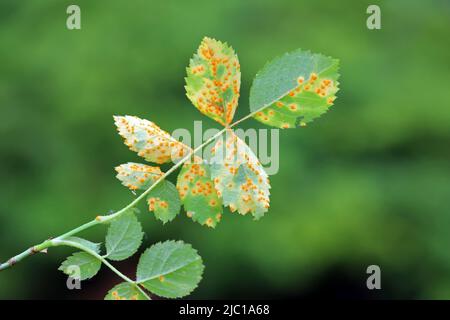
213,80
124,237
170,269
124,291
239,177
198,195
137,176
164,201
150,141
294,89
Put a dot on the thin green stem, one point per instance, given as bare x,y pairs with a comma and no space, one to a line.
138,286
78,229
42,247
103,219
57,242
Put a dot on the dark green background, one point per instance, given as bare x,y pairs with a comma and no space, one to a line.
368,183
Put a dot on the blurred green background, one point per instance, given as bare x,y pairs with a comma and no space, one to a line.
368,183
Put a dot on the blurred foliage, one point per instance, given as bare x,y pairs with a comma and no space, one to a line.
368,183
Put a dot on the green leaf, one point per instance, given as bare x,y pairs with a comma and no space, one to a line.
124,237
85,243
125,291
197,193
164,201
239,177
170,269
294,89
137,176
81,266
149,141
213,80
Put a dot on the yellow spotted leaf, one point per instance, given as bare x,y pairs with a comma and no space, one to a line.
137,176
213,80
164,201
125,291
198,195
239,177
294,89
149,141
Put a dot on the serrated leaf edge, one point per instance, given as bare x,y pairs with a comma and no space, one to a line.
200,277
266,65
107,255
61,268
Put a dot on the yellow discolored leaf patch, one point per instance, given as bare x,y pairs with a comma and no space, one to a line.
137,176
125,291
213,80
149,141
164,201
198,194
239,177
294,89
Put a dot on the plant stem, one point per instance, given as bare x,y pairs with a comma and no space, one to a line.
57,242
42,247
